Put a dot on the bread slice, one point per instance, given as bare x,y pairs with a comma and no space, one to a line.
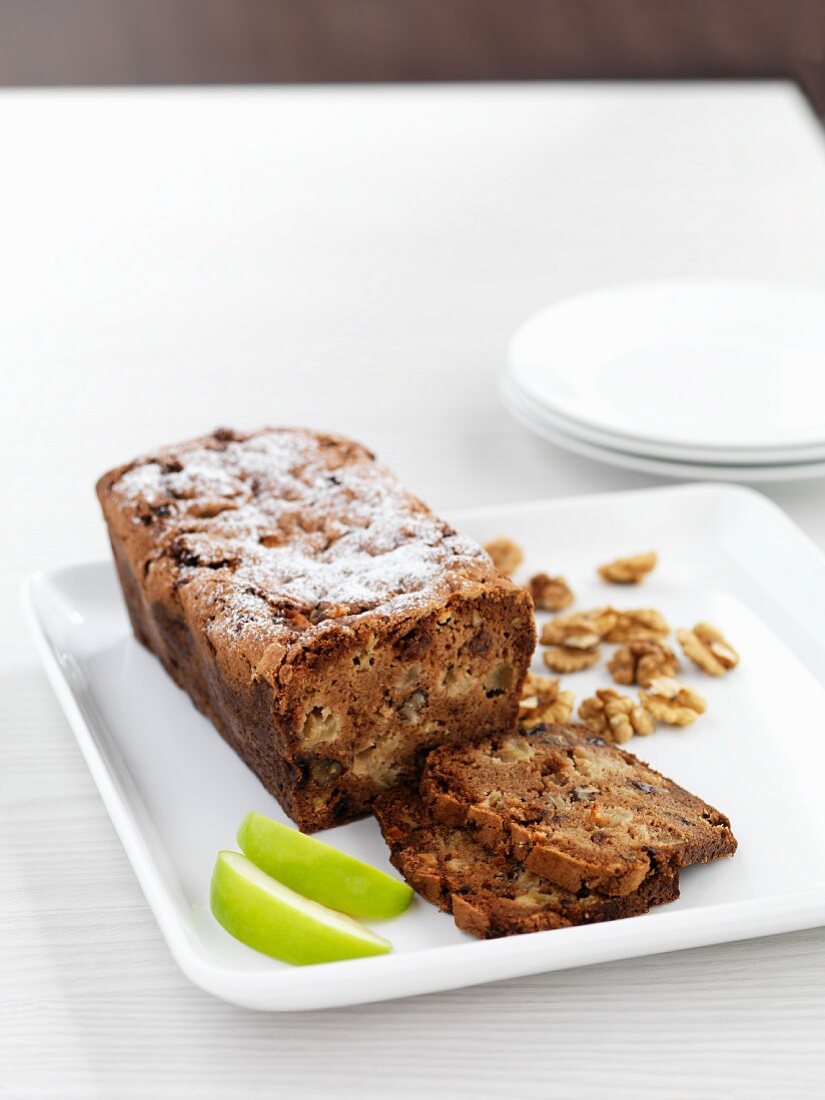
488,893
573,808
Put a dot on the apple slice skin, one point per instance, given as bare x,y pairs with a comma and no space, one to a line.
280,926
320,872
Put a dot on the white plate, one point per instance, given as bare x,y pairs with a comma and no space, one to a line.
547,426
688,363
733,458
176,792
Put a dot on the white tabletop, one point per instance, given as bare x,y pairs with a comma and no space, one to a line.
353,259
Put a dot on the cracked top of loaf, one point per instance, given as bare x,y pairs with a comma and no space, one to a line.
284,534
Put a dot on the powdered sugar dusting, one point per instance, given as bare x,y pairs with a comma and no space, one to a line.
287,526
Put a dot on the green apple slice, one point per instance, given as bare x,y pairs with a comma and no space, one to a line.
320,872
270,917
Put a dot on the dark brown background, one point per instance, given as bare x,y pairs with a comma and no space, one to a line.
266,41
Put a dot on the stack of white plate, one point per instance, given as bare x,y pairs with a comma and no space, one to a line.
712,380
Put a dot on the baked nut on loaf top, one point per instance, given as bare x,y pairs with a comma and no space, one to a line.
328,623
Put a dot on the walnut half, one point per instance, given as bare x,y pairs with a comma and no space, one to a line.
506,554
708,648
628,570
574,639
641,662
671,702
564,658
549,593
616,717
640,624
542,700
581,629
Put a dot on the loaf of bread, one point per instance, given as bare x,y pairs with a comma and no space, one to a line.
574,809
331,627
488,893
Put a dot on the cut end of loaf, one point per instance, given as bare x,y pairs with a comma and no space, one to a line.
368,717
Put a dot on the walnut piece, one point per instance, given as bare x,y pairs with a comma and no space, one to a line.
574,639
581,629
511,751
542,700
549,593
506,554
641,662
640,624
672,702
708,648
563,658
628,570
616,717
